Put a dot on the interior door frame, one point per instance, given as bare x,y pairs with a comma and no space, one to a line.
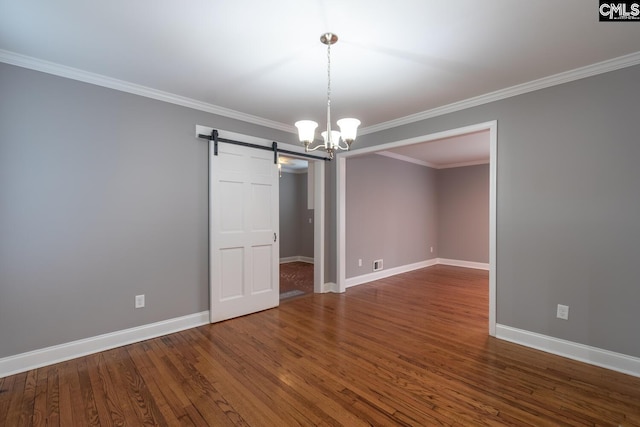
318,225
492,127
319,199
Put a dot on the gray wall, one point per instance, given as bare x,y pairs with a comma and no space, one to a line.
288,216
390,213
567,206
463,213
103,196
296,233
305,228
398,210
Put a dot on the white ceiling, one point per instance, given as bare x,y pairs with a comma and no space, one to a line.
264,59
464,150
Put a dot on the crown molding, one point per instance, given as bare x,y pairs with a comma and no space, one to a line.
406,159
464,164
545,82
24,61
431,165
123,86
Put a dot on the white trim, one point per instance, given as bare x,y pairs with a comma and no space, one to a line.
592,355
318,225
493,226
330,287
464,164
543,83
124,86
420,139
431,165
465,264
370,277
59,353
298,258
341,215
406,159
341,185
121,85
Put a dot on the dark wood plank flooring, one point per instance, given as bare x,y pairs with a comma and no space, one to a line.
408,350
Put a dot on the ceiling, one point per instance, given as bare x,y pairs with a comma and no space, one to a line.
264,60
463,150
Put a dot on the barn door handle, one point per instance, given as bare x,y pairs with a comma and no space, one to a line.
275,237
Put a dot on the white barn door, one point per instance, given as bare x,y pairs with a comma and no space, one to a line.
244,232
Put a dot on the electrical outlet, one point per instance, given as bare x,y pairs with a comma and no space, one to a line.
377,265
563,312
139,301
431,248
360,262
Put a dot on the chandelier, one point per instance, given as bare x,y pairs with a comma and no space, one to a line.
333,139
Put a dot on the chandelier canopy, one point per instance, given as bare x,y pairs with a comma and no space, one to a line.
333,140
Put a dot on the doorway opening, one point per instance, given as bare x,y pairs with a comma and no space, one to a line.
491,127
296,227
221,199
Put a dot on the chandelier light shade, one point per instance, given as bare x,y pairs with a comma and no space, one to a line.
348,129
333,140
306,131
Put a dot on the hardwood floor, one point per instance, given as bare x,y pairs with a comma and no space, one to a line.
407,350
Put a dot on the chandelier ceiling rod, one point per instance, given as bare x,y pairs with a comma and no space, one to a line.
329,39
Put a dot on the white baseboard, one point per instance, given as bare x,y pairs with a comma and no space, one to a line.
35,359
465,264
595,356
370,277
59,353
330,287
298,258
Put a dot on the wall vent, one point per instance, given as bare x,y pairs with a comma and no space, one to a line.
377,265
